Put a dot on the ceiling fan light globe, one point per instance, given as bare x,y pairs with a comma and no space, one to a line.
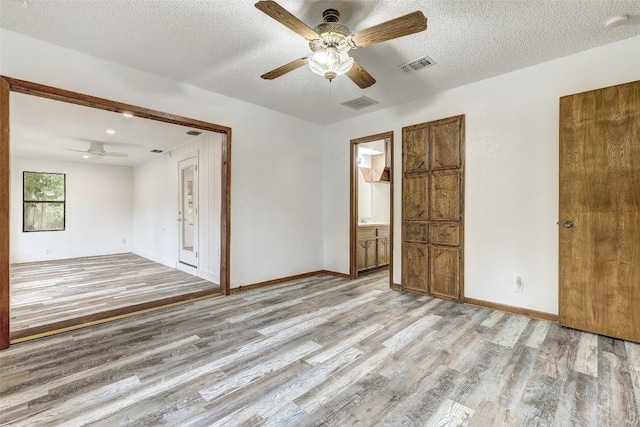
330,63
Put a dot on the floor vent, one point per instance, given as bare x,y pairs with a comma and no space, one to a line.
359,103
193,133
418,64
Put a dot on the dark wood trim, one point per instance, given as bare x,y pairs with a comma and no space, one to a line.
335,274
353,202
276,281
49,92
225,218
105,316
511,309
396,286
9,84
4,213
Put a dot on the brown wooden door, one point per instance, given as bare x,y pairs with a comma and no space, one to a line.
432,207
600,211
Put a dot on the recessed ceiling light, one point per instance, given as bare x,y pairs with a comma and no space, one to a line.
85,156
128,114
111,131
616,20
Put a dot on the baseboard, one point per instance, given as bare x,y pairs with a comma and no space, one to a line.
209,276
189,269
335,274
515,310
396,286
286,279
155,258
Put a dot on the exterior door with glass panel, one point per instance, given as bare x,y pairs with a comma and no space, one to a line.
188,211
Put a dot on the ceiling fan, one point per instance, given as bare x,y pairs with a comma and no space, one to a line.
330,41
96,151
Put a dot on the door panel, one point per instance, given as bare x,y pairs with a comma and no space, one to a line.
445,196
414,150
599,235
416,193
415,267
444,269
383,251
415,232
445,144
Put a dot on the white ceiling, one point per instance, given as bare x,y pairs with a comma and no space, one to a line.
225,45
44,128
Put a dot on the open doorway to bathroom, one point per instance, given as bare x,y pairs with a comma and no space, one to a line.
371,241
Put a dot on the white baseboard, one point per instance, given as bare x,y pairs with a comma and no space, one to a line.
187,269
209,275
155,258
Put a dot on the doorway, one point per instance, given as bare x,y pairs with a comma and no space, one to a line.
371,207
8,85
188,211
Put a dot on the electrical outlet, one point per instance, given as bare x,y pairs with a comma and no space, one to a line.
48,252
519,286
124,241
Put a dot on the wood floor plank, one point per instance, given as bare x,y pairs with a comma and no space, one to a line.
321,351
48,292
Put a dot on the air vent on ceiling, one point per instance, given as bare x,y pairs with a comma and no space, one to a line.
418,64
156,151
193,133
359,103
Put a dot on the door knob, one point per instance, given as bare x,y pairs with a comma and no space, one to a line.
567,223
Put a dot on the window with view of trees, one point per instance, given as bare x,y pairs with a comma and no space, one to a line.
43,201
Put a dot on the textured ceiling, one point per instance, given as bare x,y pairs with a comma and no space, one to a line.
224,46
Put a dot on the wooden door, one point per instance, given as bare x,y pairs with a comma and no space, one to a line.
599,220
432,207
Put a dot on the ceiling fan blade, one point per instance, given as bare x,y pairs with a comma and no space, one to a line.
281,15
360,76
402,26
112,154
273,74
77,151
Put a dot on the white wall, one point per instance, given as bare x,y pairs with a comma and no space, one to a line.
98,212
380,201
155,206
511,171
276,168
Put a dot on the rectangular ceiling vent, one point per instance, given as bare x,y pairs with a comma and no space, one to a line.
155,150
193,133
359,103
418,64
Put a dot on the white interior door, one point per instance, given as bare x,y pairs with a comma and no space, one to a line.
188,211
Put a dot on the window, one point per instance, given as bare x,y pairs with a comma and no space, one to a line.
43,201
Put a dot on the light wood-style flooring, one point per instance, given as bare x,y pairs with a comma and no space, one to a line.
53,291
322,351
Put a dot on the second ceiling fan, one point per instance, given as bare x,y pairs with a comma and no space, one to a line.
330,41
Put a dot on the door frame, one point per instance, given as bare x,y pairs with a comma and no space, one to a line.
353,232
8,85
